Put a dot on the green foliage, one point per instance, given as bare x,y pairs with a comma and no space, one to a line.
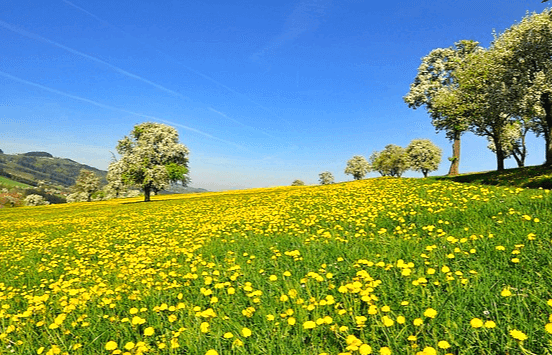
392,161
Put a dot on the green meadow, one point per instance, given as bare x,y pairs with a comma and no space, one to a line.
376,266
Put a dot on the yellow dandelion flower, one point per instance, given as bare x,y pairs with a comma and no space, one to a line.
506,293
476,323
365,349
548,327
149,331
385,351
443,344
212,352
246,332
428,350
518,335
417,322
309,324
110,345
430,313
490,324
228,335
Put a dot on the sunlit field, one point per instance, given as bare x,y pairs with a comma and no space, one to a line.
379,266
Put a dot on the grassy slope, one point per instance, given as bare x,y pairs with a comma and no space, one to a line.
530,176
4,181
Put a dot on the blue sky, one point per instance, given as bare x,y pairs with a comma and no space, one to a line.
261,92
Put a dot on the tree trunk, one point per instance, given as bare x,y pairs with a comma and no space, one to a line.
147,193
547,106
453,171
424,171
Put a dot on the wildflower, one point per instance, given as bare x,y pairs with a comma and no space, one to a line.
365,349
388,322
417,322
476,323
548,327
309,324
246,332
228,335
428,350
385,351
430,313
443,344
110,345
518,335
129,345
490,324
212,352
149,331
505,293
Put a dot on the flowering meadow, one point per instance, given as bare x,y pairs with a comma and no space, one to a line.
377,266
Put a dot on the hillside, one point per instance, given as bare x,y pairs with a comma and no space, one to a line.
29,168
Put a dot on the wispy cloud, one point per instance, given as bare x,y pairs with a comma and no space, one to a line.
34,36
305,17
113,108
203,75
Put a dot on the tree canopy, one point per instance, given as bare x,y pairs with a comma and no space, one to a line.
435,74
151,158
358,166
424,156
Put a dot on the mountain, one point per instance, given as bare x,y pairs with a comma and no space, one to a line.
29,168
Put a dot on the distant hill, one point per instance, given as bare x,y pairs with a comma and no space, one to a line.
29,168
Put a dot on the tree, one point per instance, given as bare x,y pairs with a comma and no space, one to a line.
482,96
358,166
35,200
326,178
392,161
424,156
87,184
151,158
513,141
297,183
377,163
525,51
436,73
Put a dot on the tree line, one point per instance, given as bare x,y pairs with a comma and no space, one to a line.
501,92
420,155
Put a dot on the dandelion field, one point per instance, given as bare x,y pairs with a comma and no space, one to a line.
377,266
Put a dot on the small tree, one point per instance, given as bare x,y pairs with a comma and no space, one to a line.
424,156
392,161
326,178
35,200
87,184
358,166
152,158
297,183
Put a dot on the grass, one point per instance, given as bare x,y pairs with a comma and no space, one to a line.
4,181
530,177
382,266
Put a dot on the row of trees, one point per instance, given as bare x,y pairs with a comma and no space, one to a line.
421,155
501,92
